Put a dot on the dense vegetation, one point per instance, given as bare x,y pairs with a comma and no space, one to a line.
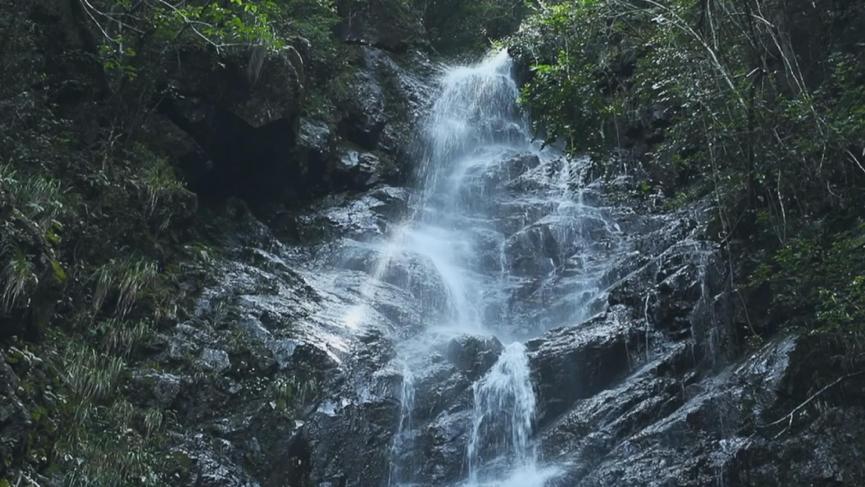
758,103
460,26
96,221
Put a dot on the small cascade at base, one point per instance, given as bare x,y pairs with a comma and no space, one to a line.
500,446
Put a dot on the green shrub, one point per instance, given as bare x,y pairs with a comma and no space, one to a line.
760,103
755,107
463,26
818,279
105,439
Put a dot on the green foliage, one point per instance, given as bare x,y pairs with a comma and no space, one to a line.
571,90
820,278
134,35
128,29
714,89
120,337
93,216
30,234
106,440
38,198
90,377
461,26
762,102
19,279
314,20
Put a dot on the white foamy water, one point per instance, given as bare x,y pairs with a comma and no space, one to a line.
504,409
499,243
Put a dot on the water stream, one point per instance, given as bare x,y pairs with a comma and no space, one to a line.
505,243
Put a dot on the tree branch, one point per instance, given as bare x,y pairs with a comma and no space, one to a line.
789,417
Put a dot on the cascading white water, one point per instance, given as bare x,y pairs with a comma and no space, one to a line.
504,408
405,427
496,227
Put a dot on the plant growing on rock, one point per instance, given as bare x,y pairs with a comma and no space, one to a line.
761,99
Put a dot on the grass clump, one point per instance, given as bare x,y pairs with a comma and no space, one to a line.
124,279
106,440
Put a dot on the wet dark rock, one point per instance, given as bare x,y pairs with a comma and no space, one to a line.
350,431
365,111
445,448
214,360
245,135
653,390
347,216
339,458
284,351
315,141
383,100
361,169
157,388
251,361
508,170
577,362
474,355
676,423
211,464
826,452
413,275
439,387
258,85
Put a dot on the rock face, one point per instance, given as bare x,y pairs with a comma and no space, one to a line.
245,131
656,390
648,383
387,24
375,133
578,362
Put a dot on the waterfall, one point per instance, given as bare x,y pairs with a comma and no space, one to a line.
496,227
504,408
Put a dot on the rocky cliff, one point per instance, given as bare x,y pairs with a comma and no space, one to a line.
267,356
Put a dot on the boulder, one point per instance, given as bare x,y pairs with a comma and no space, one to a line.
365,116
474,355
667,422
258,85
576,362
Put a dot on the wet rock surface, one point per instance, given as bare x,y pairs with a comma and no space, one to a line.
656,390
308,356
241,122
653,390
642,379
289,370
